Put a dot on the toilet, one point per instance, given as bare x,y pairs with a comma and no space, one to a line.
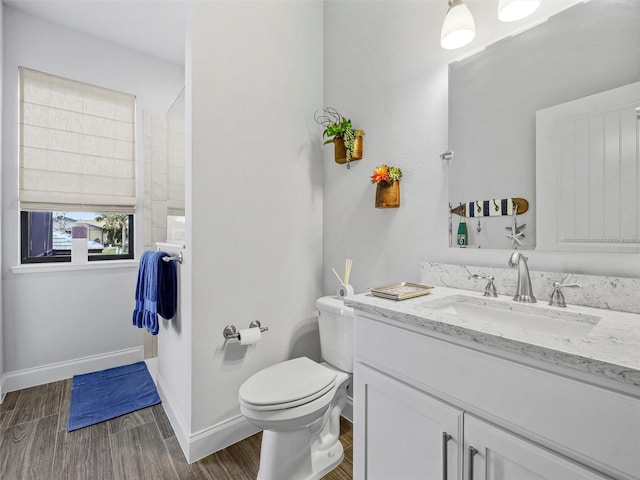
298,403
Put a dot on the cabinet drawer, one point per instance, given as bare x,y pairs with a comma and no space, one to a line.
595,426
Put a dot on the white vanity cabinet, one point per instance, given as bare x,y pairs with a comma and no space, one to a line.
414,385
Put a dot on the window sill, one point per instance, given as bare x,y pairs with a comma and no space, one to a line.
73,267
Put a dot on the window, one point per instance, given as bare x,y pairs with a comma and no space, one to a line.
77,168
47,236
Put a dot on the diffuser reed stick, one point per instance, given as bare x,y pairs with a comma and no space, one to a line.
337,276
347,270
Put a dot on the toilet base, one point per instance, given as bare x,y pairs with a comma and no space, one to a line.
281,457
324,462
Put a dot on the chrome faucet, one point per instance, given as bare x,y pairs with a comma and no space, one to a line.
524,292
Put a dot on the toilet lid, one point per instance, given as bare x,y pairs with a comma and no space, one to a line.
288,384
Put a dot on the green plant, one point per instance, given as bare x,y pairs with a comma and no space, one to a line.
114,226
387,174
337,126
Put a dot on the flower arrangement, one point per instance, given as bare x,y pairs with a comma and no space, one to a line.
387,174
339,128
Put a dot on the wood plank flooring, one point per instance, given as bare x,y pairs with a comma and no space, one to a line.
35,444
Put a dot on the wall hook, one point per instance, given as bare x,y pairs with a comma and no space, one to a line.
448,155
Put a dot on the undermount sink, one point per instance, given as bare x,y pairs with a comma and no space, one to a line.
514,315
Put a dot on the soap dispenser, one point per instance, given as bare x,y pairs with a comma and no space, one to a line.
462,233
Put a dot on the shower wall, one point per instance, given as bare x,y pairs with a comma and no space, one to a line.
175,158
164,174
163,183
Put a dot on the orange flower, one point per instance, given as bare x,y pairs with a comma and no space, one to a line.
380,174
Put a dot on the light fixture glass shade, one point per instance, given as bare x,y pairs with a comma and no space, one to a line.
458,28
512,10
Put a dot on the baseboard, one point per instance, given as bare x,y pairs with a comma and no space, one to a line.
198,445
176,419
31,377
220,436
347,411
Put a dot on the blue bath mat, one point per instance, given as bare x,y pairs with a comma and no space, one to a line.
103,395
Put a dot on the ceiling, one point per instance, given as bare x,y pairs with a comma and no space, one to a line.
157,27
153,27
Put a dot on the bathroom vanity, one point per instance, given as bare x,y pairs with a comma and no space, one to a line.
455,385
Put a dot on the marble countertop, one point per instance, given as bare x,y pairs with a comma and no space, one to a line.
609,346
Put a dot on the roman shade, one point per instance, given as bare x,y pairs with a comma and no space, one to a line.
77,146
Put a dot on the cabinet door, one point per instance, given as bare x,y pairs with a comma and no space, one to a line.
403,433
493,454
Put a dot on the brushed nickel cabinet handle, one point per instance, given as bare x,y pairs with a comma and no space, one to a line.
445,458
472,453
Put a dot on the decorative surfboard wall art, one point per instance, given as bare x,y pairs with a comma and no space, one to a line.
495,207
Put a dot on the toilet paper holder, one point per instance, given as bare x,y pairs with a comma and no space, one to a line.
230,331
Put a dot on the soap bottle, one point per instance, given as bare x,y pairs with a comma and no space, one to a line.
462,233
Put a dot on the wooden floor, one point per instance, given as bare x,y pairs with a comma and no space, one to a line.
35,444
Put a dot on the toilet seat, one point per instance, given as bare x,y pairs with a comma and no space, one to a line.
297,382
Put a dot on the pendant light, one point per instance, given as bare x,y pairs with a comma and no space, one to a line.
512,10
458,28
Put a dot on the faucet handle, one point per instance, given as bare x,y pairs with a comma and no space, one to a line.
479,275
566,285
557,297
490,289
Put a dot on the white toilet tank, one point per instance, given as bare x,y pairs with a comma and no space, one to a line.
335,322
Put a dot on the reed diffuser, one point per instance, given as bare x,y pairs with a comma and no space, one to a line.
345,288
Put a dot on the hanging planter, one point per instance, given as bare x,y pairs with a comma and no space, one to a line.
388,194
348,142
387,180
341,153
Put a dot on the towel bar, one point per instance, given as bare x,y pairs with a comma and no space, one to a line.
177,258
230,331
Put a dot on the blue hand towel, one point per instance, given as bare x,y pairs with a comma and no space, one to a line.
140,289
156,291
168,294
150,297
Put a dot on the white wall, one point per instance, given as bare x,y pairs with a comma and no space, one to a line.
256,208
175,338
385,69
2,391
54,320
